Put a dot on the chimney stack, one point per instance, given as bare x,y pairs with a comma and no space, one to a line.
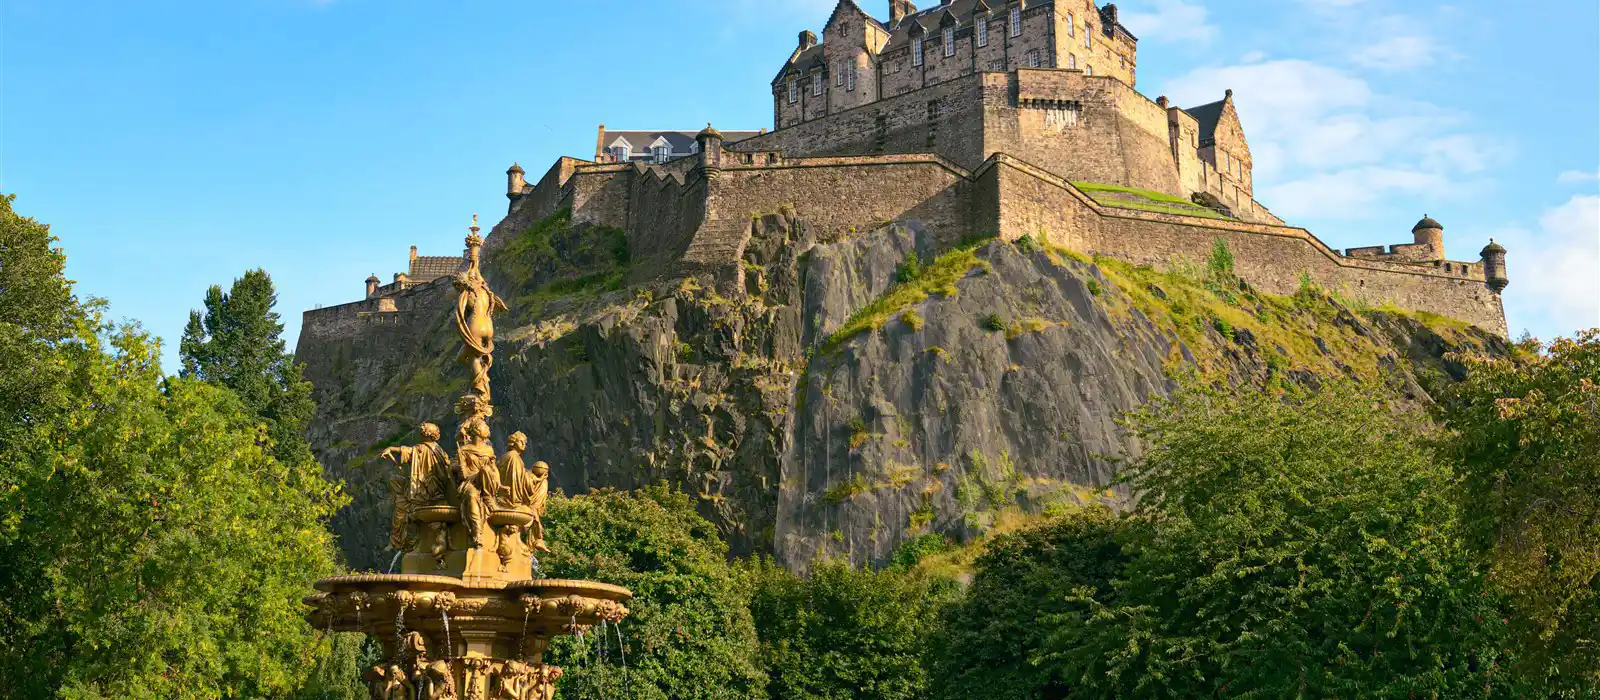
898,10
807,39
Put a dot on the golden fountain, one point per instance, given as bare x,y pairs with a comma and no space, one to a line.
463,619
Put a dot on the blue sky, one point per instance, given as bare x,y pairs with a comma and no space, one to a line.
172,145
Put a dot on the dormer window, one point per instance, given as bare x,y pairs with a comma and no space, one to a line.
916,51
1016,21
983,31
660,153
949,41
619,154
816,84
794,91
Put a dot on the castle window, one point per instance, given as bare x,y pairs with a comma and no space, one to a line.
1072,25
794,91
1033,58
1072,61
838,78
949,41
1088,70
1088,35
816,84
619,154
661,153
1016,21
997,65
850,83
983,31
916,51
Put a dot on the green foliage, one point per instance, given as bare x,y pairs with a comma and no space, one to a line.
992,322
690,635
237,343
843,633
1026,244
1289,546
153,546
1219,264
909,270
1525,434
988,641
38,312
912,319
911,552
938,277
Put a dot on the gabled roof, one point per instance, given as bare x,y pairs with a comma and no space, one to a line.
426,268
1208,115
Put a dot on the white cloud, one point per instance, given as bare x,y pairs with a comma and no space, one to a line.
1401,52
1554,288
1171,21
1325,144
1577,176
1331,4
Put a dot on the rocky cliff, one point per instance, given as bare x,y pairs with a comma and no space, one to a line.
836,396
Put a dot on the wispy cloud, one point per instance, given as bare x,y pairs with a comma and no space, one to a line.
1552,267
1326,144
1176,21
1578,176
1400,52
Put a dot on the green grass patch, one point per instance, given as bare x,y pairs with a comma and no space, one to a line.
1125,197
938,277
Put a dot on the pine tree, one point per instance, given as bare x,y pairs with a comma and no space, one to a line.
237,343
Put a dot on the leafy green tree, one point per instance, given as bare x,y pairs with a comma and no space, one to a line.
157,550
38,312
1292,546
690,635
843,633
1525,434
987,642
237,343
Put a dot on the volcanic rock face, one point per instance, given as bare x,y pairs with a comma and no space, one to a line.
993,389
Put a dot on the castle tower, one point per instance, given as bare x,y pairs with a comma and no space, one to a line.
372,285
515,181
1494,266
1429,232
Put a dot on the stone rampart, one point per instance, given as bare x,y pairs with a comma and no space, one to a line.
679,220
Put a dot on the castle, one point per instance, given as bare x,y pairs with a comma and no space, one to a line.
976,117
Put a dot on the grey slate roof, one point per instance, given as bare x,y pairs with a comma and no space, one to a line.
639,141
427,268
1208,115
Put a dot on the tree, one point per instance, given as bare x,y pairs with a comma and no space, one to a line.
237,343
158,550
987,642
38,312
1291,546
844,633
1524,433
690,635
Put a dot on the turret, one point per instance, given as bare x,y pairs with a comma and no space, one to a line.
372,285
710,141
1429,232
807,39
515,181
898,10
1494,266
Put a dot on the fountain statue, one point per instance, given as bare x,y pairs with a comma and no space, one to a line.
462,619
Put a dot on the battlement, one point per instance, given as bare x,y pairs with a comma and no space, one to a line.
693,217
